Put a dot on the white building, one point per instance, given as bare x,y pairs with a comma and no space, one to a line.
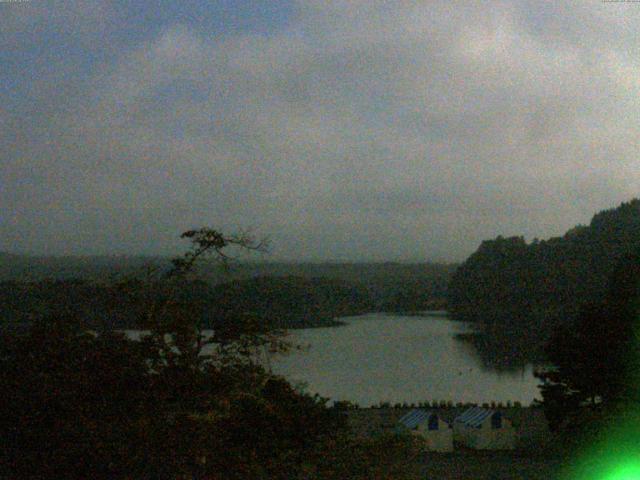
437,434
484,429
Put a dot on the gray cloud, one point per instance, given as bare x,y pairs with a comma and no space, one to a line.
361,131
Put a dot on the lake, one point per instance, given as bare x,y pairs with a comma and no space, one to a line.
385,357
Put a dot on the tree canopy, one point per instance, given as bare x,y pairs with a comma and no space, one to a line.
81,403
519,293
595,359
83,400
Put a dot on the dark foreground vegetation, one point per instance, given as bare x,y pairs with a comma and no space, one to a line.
81,400
593,374
83,403
520,293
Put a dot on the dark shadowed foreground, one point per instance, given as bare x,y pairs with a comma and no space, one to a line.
80,402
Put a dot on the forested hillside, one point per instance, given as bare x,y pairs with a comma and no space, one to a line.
280,301
274,302
523,291
393,287
290,302
290,295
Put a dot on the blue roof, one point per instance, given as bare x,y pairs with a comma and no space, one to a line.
414,418
474,416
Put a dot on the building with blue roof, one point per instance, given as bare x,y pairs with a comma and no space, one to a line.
484,429
436,433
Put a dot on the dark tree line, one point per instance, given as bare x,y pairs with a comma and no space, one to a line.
290,302
595,358
282,302
520,293
301,294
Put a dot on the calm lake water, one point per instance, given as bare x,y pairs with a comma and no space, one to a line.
381,357
392,358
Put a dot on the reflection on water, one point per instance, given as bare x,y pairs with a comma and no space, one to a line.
380,357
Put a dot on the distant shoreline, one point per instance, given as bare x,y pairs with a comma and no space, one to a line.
417,313
335,322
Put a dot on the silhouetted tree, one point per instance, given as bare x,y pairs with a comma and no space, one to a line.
595,359
80,403
519,294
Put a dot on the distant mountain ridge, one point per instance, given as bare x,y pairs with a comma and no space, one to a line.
523,291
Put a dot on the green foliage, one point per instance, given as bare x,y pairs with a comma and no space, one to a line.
80,403
390,287
275,302
289,302
388,456
282,301
595,359
520,293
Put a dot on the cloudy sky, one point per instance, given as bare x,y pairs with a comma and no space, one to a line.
344,130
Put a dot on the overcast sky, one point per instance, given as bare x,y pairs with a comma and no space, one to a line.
344,130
